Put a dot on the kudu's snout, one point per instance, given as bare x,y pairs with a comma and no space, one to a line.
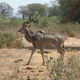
21,31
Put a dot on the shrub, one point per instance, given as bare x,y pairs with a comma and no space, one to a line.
15,22
8,40
59,71
4,23
45,22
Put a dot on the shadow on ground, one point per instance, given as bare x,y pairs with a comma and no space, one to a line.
66,48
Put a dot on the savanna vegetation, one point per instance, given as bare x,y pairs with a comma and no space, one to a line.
63,16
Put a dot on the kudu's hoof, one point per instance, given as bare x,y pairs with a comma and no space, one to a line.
43,63
27,63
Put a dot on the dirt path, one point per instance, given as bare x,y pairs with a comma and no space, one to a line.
13,61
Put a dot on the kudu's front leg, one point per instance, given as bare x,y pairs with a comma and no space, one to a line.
42,54
31,56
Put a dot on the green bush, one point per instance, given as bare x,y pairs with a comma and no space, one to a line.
16,21
8,40
12,22
4,22
59,71
45,22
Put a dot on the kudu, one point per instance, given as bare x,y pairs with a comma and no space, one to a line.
39,40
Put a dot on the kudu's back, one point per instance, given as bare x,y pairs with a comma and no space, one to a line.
49,39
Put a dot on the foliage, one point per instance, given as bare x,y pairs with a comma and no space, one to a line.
69,10
8,40
66,10
44,21
23,11
54,10
4,23
37,7
5,9
16,21
31,8
12,22
59,71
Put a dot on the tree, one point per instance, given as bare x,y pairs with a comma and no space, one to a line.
26,11
42,10
23,11
74,13
69,10
54,11
6,10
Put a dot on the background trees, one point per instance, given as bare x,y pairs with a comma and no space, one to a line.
63,10
23,11
31,9
54,10
42,10
69,10
5,10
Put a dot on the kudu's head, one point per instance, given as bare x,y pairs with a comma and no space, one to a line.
25,25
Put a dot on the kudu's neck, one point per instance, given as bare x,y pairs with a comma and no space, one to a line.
29,34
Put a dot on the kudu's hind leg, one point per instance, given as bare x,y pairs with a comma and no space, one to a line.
61,51
31,56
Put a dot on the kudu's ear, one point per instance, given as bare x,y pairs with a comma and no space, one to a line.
29,25
27,22
24,25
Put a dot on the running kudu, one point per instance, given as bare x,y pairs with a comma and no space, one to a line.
39,40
